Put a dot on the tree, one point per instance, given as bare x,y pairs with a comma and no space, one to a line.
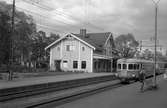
28,44
126,45
53,37
147,54
5,32
40,41
24,28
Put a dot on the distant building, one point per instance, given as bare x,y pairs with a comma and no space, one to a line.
88,52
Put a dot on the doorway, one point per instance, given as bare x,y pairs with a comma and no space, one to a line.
57,65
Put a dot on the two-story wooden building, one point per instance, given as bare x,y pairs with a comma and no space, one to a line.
88,52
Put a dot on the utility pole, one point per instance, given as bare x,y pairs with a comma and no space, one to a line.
11,43
155,58
140,45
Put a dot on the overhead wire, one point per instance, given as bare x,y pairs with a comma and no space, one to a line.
60,13
48,27
86,21
46,18
42,25
38,4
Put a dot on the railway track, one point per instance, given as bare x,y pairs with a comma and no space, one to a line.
58,97
21,92
66,99
61,97
75,96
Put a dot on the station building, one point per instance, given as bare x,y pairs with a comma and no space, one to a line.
86,52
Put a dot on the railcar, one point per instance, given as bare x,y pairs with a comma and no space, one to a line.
128,69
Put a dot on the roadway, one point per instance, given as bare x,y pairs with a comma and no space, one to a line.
127,96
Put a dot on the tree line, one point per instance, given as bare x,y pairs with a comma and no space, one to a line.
27,43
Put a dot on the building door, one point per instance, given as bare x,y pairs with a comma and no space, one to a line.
57,65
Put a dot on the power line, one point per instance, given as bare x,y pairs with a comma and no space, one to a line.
43,16
62,14
31,2
86,6
59,13
38,4
49,28
40,15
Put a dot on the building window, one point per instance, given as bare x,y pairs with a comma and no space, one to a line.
67,47
83,65
70,47
83,48
65,64
58,48
75,64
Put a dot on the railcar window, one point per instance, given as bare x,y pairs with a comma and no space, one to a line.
124,66
135,66
138,66
130,66
119,66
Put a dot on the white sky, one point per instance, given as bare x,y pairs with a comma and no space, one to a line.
116,16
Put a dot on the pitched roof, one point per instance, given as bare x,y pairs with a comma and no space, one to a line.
55,42
97,40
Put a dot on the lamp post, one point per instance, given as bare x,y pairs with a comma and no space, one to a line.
155,39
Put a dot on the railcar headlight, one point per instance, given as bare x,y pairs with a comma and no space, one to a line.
116,74
133,75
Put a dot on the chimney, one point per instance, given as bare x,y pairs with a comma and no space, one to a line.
83,32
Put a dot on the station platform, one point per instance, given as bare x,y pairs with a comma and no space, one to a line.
48,79
128,96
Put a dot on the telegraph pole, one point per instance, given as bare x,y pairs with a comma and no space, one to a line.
155,58
140,45
11,42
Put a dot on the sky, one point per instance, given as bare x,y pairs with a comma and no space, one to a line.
116,16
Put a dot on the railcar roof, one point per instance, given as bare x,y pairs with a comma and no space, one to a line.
134,60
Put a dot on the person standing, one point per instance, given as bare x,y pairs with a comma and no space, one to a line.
142,79
165,74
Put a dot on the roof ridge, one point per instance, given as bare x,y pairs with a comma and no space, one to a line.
93,33
99,33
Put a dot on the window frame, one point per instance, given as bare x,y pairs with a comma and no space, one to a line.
65,64
83,48
119,66
67,47
130,66
75,64
124,65
83,64
70,47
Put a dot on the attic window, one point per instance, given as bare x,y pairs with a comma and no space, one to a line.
68,35
70,47
58,48
83,48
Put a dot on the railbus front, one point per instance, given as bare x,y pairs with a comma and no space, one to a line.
128,69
